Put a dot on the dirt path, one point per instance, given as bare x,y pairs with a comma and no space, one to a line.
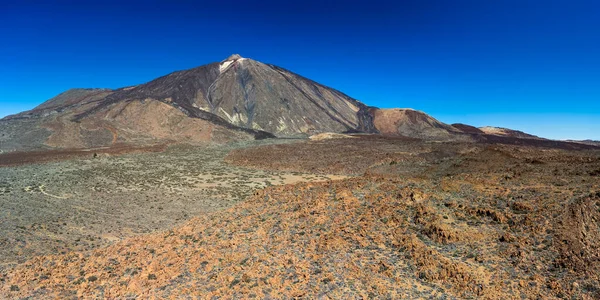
43,191
114,132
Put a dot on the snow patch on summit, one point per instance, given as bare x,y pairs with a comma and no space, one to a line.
229,61
224,65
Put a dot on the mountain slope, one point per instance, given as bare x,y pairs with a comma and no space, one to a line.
467,128
69,99
507,132
412,123
252,95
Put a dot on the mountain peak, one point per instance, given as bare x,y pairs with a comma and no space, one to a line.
233,57
229,61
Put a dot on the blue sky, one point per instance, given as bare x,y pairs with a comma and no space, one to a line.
528,65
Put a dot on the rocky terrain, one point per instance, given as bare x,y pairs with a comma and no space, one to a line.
506,132
91,201
415,220
240,179
412,123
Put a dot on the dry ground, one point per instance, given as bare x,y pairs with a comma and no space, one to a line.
81,203
423,220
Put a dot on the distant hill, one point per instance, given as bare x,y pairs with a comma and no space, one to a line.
507,132
586,142
412,123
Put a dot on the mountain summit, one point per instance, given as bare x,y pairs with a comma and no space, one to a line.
233,57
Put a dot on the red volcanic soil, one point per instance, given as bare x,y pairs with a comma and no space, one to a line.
22,158
467,128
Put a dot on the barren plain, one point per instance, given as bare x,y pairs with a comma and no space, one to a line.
92,198
403,218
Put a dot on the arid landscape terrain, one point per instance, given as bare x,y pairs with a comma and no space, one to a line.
239,179
91,201
322,150
355,217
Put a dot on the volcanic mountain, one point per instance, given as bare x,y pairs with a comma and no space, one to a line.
235,99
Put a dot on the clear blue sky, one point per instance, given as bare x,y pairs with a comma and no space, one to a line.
523,64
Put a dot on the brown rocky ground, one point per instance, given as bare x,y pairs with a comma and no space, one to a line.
22,158
70,201
424,220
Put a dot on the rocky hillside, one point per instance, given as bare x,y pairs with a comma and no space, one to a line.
467,128
249,94
412,123
507,132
